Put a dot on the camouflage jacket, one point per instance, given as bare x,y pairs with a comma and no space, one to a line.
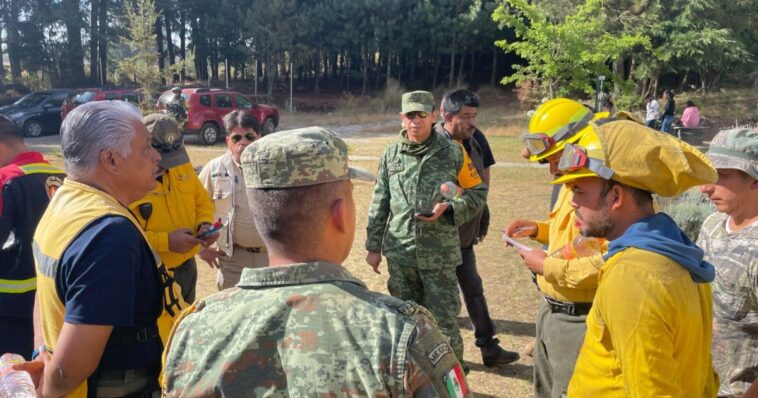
735,302
307,330
406,185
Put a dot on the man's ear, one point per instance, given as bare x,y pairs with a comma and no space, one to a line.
338,214
108,161
617,197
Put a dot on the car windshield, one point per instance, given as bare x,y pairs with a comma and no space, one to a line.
84,97
31,99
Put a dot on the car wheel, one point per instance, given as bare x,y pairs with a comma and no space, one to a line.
209,134
32,128
269,126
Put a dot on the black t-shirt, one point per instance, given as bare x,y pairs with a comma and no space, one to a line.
108,276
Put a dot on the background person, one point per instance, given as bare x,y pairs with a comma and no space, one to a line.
690,115
729,238
459,110
99,289
27,182
178,210
652,111
304,326
239,245
669,111
410,224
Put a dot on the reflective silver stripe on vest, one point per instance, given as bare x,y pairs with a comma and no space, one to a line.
46,265
17,286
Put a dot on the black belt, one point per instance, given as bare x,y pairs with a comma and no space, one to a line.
252,249
132,336
573,309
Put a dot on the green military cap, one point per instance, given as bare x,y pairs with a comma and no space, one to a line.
418,101
298,158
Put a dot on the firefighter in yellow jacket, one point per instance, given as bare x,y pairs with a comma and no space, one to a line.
649,329
178,213
99,285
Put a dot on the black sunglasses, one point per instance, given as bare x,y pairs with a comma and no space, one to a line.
238,137
413,115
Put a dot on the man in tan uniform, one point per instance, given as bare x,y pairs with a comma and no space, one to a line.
239,245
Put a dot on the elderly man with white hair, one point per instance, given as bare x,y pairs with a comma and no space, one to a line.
99,287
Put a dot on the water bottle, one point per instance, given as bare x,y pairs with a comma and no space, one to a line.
14,383
449,190
582,246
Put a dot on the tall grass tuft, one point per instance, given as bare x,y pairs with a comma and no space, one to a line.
389,100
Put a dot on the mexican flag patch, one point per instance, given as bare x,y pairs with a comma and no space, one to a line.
455,382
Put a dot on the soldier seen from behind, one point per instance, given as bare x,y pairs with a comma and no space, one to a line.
304,326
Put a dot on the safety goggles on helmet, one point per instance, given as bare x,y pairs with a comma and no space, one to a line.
575,157
539,143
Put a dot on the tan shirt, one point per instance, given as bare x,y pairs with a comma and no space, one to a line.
244,232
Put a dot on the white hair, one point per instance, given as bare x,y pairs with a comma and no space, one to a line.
94,127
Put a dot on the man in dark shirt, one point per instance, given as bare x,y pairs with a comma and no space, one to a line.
99,285
26,180
459,110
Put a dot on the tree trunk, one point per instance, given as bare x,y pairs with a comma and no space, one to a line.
364,55
159,41
183,43
471,67
437,62
317,74
389,68
452,66
493,75
102,38
12,39
74,55
93,38
270,73
2,64
167,17
459,79
618,71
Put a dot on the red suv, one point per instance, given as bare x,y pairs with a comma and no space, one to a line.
206,109
102,94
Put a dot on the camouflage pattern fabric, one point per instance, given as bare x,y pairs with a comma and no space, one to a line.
735,302
407,185
298,158
437,291
309,329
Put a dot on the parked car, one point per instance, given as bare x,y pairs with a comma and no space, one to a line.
206,108
38,112
102,94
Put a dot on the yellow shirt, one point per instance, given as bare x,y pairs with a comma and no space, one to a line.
179,201
572,280
648,333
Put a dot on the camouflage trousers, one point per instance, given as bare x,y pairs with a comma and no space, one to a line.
435,289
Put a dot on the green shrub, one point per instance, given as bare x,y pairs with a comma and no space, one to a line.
689,211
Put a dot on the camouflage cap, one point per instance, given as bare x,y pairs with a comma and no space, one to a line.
735,149
418,101
298,158
167,140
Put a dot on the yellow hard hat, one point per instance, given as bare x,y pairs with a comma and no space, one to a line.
555,123
637,156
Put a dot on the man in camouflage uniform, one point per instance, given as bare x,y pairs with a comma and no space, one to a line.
410,224
304,326
729,238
